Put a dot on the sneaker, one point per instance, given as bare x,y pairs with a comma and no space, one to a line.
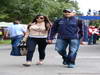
27,64
65,62
71,65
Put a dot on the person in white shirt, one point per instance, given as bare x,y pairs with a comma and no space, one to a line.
16,32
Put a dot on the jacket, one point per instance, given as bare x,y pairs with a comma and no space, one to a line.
67,28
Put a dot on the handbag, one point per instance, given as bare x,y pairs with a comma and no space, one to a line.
23,48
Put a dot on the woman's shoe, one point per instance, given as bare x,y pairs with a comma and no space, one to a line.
39,63
27,64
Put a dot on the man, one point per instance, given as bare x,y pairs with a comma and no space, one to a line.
1,33
16,32
69,30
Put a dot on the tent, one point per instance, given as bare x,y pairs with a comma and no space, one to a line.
89,17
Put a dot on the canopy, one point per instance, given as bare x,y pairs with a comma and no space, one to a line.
89,17
5,24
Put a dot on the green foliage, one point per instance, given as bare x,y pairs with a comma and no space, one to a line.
95,23
25,10
5,41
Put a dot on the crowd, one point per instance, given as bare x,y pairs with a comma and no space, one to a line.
93,33
41,31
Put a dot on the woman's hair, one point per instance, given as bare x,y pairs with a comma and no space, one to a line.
46,20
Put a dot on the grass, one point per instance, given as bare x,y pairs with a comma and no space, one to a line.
5,41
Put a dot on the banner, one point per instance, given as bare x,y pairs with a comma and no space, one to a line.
89,17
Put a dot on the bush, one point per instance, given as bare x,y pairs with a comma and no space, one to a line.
5,41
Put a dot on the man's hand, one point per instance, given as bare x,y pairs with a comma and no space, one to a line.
49,41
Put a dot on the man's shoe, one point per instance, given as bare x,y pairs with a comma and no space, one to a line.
27,64
71,65
65,62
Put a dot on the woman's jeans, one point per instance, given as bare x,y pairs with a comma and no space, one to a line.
61,45
15,41
31,45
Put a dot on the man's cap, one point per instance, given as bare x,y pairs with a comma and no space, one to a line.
69,10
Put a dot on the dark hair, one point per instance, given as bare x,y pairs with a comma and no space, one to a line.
46,20
16,22
28,26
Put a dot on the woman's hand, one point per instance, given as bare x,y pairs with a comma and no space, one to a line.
49,41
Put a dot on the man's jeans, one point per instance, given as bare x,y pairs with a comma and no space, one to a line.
15,42
61,45
90,41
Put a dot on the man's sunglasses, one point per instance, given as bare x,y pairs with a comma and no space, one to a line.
66,11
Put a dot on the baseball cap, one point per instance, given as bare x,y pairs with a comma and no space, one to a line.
69,10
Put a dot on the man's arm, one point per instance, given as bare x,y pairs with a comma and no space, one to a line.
80,25
53,31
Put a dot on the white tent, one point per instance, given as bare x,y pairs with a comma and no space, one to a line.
5,24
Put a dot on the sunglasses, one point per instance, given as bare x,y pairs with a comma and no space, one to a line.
66,11
40,18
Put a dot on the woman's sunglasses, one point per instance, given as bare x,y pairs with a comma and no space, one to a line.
40,18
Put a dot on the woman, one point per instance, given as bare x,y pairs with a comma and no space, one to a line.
37,34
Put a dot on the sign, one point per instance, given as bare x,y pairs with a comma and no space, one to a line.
89,17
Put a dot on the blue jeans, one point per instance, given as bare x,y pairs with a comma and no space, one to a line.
85,37
61,45
94,38
15,42
90,40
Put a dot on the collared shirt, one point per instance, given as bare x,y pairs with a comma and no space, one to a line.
16,29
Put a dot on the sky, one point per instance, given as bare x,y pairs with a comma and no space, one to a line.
88,4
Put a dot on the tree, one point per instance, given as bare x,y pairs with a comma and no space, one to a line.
25,10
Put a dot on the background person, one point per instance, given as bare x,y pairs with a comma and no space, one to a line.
1,33
16,32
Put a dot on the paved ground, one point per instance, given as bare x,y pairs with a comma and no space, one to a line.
88,62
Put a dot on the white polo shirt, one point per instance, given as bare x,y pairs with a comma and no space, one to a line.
16,29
